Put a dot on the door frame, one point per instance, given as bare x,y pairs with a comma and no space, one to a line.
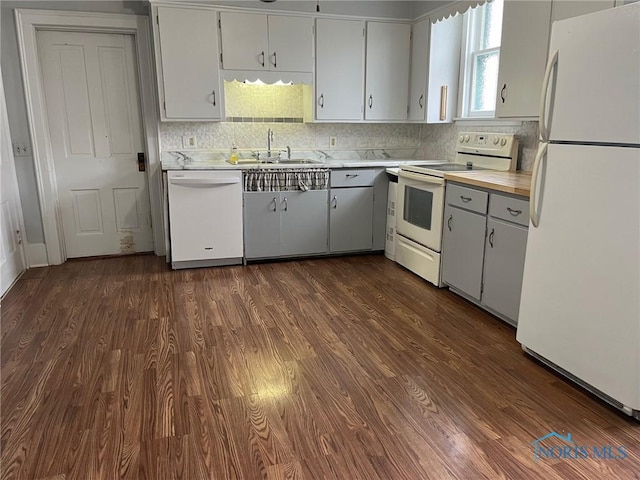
28,22
5,138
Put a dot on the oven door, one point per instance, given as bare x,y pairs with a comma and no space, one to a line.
420,208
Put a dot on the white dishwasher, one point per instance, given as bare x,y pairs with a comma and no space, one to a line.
205,218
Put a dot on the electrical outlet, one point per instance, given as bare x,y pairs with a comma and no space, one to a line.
189,142
20,149
332,141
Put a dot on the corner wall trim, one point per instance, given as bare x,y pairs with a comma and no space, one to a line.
37,255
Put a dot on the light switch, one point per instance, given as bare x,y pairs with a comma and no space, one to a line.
189,142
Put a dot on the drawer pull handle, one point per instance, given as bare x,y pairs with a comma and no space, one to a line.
352,175
493,231
334,200
513,212
465,199
274,204
449,222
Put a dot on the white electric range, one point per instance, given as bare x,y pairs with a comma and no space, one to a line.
421,196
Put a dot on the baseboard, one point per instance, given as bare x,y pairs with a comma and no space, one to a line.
37,255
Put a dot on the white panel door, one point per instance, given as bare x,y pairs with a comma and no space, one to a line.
580,304
245,42
339,69
91,90
11,251
387,78
189,54
290,43
596,93
419,70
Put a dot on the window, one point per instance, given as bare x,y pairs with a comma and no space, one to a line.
481,55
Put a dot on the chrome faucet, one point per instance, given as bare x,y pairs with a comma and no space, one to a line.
269,140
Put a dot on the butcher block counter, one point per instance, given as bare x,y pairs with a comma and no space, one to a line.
517,183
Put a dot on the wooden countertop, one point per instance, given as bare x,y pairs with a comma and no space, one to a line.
518,183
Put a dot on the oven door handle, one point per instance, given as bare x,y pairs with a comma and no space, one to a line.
421,178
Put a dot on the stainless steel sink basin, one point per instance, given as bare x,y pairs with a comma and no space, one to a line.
303,161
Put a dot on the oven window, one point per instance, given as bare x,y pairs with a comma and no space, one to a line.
418,207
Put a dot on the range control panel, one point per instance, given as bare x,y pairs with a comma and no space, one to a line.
483,143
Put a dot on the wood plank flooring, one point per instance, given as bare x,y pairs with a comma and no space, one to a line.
340,368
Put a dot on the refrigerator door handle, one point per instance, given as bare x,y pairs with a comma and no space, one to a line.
534,213
544,129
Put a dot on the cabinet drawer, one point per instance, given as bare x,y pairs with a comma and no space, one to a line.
510,209
357,177
467,198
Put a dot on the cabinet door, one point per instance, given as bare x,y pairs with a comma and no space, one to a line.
339,69
387,74
523,57
290,43
561,9
463,250
261,224
304,222
503,267
419,70
190,83
444,70
351,219
245,44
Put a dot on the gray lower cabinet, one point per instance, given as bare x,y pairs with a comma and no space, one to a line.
483,249
261,224
304,222
463,250
503,267
350,219
280,224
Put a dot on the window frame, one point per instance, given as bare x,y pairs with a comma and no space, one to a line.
473,26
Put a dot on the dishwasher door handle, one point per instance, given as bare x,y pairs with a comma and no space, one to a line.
203,182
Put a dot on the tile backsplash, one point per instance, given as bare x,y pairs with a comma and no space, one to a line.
433,142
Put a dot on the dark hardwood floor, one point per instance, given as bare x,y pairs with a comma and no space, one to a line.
345,368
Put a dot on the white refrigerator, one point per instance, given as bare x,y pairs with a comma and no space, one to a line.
580,304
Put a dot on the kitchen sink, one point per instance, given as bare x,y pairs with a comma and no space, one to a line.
275,161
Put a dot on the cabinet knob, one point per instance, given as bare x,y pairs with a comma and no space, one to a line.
321,100
503,93
420,101
493,231
370,101
334,200
262,58
275,60
286,204
449,222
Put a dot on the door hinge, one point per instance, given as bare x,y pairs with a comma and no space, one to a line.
19,237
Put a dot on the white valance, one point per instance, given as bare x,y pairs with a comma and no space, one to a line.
267,77
453,9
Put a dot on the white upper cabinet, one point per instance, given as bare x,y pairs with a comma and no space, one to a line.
290,43
526,27
561,9
245,43
252,41
339,82
387,70
444,70
419,70
187,54
523,57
